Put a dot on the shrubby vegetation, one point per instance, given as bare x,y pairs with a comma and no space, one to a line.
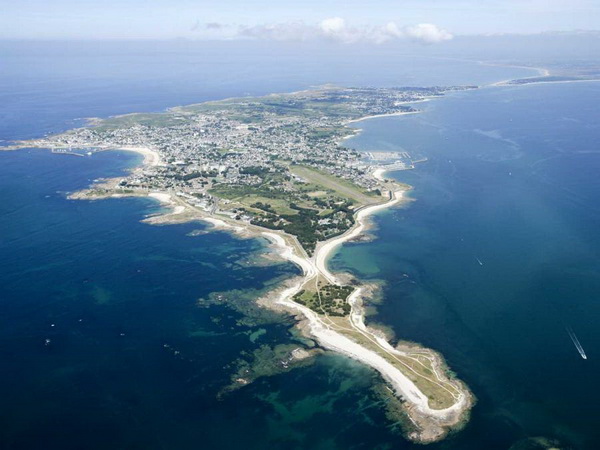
330,299
311,218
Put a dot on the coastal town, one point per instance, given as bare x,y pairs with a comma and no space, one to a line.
276,161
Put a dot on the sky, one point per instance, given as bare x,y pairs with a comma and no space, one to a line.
346,21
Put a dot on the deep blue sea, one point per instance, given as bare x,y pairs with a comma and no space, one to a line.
103,344
502,252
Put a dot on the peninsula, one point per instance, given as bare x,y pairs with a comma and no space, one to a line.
275,166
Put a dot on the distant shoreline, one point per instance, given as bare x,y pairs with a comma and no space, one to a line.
379,116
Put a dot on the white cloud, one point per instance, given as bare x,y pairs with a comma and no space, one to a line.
333,26
290,31
385,33
336,29
427,33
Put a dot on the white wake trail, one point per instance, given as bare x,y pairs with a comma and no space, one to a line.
576,342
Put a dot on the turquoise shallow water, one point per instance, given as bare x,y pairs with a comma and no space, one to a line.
132,361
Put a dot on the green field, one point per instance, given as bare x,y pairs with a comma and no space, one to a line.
341,187
146,119
313,211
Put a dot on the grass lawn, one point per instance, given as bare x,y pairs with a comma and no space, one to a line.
341,187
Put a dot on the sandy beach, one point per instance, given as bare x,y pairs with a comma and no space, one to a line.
378,116
167,200
379,173
508,82
151,158
324,251
335,341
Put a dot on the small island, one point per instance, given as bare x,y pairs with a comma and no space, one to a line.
275,167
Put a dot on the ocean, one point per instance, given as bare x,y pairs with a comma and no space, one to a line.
104,343
498,253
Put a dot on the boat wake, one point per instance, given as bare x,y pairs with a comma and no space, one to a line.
576,342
